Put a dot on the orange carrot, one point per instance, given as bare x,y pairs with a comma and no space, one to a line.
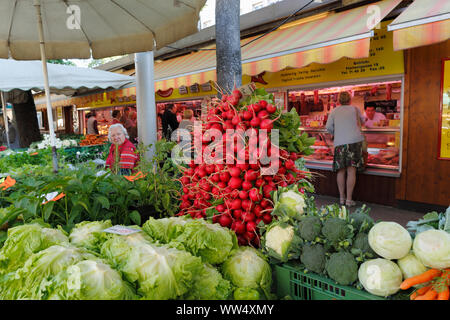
419,292
444,294
421,278
429,295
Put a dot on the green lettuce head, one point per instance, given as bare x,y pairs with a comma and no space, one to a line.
166,229
24,240
89,280
210,241
247,268
209,285
86,234
160,272
30,280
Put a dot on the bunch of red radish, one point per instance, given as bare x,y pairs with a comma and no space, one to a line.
245,193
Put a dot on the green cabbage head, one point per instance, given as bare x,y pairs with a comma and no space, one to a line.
247,268
390,240
411,266
432,248
380,277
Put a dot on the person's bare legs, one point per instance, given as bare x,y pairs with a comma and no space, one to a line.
341,184
351,181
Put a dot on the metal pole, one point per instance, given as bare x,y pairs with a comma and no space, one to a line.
145,101
37,5
5,118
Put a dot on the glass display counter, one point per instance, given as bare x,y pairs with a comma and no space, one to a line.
383,150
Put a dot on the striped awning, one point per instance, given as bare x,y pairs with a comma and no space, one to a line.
423,23
325,40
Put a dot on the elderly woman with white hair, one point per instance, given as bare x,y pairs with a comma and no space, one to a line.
126,158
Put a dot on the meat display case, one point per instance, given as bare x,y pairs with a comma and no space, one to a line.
384,152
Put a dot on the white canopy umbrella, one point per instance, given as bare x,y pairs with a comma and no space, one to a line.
77,28
63,79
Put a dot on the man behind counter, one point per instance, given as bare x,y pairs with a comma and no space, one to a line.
372,116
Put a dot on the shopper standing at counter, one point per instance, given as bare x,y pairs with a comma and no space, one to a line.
169,122
344,125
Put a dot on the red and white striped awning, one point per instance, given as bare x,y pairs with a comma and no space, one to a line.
423,23
325,40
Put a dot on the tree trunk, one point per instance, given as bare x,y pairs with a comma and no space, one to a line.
228,45
26,121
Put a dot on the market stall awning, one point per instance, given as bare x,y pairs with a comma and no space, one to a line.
325,40
423,23
64,79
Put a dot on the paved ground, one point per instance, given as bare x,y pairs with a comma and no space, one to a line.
377,212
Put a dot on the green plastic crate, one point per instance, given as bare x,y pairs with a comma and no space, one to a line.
291,280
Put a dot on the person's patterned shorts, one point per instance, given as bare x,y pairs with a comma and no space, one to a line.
349,155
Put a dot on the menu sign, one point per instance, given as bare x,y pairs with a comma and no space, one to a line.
444,120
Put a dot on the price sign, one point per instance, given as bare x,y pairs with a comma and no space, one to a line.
121,230
247,89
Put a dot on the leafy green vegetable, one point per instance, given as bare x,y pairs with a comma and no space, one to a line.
158,271
24,240
89,280
210,241
431,220
290,136
28,282
209,285
86,234
246,294
248,268
165,229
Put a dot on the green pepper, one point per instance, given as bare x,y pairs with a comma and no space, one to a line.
246,294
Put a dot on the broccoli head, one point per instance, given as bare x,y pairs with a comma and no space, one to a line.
336,229
342,268
313,257
361,246
360,218
309,227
